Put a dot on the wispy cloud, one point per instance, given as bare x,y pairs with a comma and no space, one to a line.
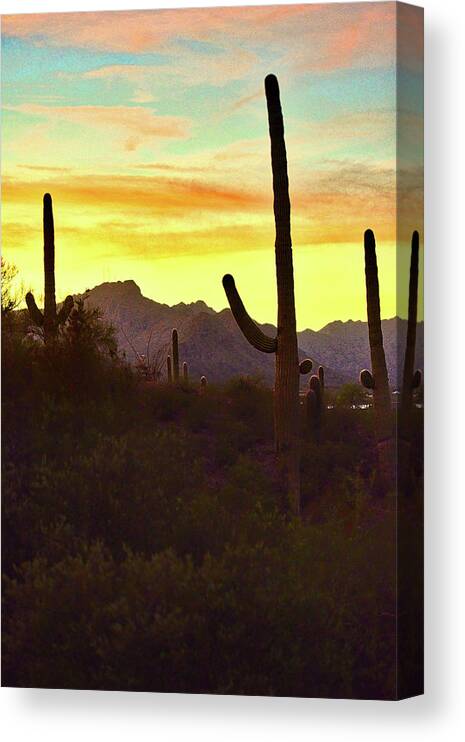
156,195
45,168
136,123
186,66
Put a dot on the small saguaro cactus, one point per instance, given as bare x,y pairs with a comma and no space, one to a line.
284,345
314,402
377,379
321,377
411,379
175,347
169,371
50,320
185,373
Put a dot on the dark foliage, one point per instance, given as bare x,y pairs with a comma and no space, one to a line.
144,545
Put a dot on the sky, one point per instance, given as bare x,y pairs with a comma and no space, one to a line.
149,129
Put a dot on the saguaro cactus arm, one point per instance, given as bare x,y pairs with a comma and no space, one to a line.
366,379
34,311
314,384
305,366
311,407
249,329
65,310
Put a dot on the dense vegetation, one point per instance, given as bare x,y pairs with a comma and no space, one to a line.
145,542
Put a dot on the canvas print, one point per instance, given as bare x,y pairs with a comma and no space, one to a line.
212,350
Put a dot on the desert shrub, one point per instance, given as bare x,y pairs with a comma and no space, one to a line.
144,546
351,395
255,619
251,402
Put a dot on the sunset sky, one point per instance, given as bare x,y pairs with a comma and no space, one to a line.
149,129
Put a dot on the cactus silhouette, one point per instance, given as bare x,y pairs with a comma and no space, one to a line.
175,357
314,404
377,379
311,407
49,319
411,379
284,345
321,377
169,372
185,373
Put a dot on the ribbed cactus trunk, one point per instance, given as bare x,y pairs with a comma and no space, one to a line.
409,360
169,371
380,381
175,347
286,399
50,307
314,404
410,378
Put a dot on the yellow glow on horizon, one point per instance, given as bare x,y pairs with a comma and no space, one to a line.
150,131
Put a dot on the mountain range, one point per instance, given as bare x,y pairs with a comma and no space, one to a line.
212,344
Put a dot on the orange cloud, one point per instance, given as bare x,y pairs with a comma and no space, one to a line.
152,195
367,39
324,37
334,204
143,30
45,168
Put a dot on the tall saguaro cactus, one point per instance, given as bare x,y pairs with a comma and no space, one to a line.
284,345
377,379
411,379
49,319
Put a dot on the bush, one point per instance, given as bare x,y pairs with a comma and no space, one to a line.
253,620
144,547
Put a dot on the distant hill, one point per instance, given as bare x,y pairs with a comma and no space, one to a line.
212,344
345,346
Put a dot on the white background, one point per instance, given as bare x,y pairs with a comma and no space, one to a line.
71,715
